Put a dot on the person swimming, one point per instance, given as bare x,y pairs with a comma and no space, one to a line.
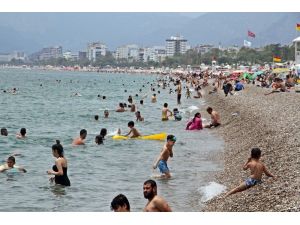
11,167
61,166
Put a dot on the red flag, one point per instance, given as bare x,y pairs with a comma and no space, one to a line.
251,34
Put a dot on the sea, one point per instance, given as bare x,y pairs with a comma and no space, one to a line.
45,105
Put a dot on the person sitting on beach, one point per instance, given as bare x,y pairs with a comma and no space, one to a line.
277,84
290,82
165,111
11,167
198,90
155,202
133,133
22,134
195,123
153,98
238,86
59,170
166,152
106,113
138,116
120,204
215,118
121,108
177,115
257,169
227,88
99,140
80,140
4,131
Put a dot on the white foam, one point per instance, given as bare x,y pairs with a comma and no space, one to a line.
211,190
113,133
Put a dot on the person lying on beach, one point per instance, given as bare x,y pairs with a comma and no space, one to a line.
121,108
80,140
195,123
257,169
166,152
133,133
10,165
22,134
215,118
138,116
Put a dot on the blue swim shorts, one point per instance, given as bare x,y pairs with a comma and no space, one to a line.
163,167
251,182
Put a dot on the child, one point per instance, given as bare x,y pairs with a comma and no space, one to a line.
257,169
10,165
133,131
138,116
177,115
166,152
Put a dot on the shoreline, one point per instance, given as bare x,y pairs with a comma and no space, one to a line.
270,123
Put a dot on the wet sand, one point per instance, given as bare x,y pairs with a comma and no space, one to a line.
271,123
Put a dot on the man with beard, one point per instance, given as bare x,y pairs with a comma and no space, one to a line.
155,203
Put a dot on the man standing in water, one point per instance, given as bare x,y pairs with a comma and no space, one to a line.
178,92
155,202
166,152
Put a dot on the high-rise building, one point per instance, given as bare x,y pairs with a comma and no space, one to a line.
95,50
128,52
176,45
50,52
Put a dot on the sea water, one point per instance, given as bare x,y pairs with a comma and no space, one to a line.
45,106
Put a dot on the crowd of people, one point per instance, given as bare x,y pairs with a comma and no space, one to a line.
195,82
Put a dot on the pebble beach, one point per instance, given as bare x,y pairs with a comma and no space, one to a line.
272,123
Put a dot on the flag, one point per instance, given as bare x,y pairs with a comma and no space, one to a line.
298,26
251,34
247,43
276,58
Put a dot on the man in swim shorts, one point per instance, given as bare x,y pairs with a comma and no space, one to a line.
166,152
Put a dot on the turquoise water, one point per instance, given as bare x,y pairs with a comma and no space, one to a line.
47,109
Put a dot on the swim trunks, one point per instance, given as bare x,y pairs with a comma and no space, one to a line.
163,167
250,182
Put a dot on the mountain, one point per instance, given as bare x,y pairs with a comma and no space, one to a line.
31,31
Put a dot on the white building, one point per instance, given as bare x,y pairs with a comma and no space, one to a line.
297,50
176,45
95,50
50,52
68,55
128,52
5,57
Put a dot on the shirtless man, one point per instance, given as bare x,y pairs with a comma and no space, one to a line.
257,169
133,133
165,111
22,134
215,118
153,98
10,164
166,152
80,140
178,92
132,108
155,203
121,108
